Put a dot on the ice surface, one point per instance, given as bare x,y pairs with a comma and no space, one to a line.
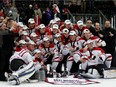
103,83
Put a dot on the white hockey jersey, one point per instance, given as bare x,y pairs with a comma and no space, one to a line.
93,57
23,54
73,46
96,42
52,49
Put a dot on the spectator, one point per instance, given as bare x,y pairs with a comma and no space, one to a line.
56,10
48,15
73,8
89,26
30,12
65,13
110,37
79,6
44,17
1,13
98,32
14,12
38,14
83,5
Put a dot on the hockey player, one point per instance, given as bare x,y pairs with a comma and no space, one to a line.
34,37
67,24
65,36
58,21
97,42
58,42
51,23
94,60
31,25
72,46
21,64
54,31
80,27
37,59
60,46
41,32
50,53
38,64
24,36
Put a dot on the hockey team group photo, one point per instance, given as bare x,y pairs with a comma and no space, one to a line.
57,42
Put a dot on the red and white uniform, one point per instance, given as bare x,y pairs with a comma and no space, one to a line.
79,31
30,30
64,39
59,46
72,27
51,49
22,54
41,36
47,32
37,63
83,42
72,47
27,69
94,57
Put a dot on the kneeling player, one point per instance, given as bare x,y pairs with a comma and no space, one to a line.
21,63
95,60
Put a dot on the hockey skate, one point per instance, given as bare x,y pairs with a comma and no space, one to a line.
13,79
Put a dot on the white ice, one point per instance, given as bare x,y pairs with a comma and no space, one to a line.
103,83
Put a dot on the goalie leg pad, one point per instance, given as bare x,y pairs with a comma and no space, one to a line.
25,73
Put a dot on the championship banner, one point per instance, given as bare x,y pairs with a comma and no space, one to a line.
69,81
